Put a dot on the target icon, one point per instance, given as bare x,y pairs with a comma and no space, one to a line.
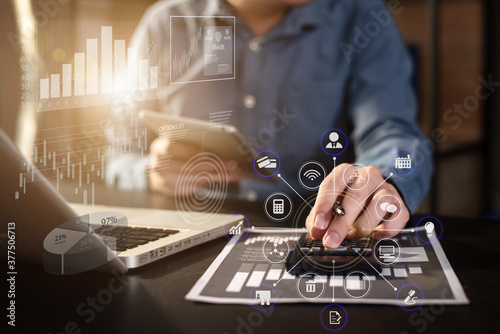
201,188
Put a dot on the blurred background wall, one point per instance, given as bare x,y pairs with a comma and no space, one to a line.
452,43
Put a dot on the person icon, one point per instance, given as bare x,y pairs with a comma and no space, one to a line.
334,138
218,45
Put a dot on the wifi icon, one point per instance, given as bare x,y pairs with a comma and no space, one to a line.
312,174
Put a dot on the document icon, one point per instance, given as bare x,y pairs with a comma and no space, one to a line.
335,318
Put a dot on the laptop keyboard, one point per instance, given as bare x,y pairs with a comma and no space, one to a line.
122,238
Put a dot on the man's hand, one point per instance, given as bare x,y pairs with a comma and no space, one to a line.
360,218
168,159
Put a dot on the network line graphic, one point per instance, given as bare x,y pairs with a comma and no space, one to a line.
182,62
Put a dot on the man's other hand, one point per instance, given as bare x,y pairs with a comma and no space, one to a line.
167,160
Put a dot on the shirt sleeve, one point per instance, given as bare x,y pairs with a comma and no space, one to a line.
382,103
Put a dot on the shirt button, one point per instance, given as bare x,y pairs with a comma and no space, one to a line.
254,46
249,101
251,195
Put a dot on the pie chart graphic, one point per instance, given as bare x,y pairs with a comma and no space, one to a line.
76,246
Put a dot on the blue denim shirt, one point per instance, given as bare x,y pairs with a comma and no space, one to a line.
328,64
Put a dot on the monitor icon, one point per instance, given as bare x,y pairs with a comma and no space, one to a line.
386,252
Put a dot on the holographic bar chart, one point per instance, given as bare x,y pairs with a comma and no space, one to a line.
98,72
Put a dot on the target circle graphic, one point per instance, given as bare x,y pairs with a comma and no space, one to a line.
201,188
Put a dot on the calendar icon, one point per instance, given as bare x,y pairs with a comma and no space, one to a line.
278,206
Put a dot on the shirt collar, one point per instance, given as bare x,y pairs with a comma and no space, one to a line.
313,15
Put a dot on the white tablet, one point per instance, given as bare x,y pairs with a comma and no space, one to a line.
224,140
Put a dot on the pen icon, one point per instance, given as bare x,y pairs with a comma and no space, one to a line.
410,300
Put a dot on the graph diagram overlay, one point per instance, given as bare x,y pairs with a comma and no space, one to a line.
84,64
202,48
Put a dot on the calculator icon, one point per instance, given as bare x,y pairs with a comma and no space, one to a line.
278,206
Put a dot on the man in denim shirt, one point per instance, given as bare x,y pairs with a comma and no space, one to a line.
304,67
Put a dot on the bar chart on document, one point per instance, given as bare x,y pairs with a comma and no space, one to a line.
89,64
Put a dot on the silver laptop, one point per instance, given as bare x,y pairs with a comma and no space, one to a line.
70,238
